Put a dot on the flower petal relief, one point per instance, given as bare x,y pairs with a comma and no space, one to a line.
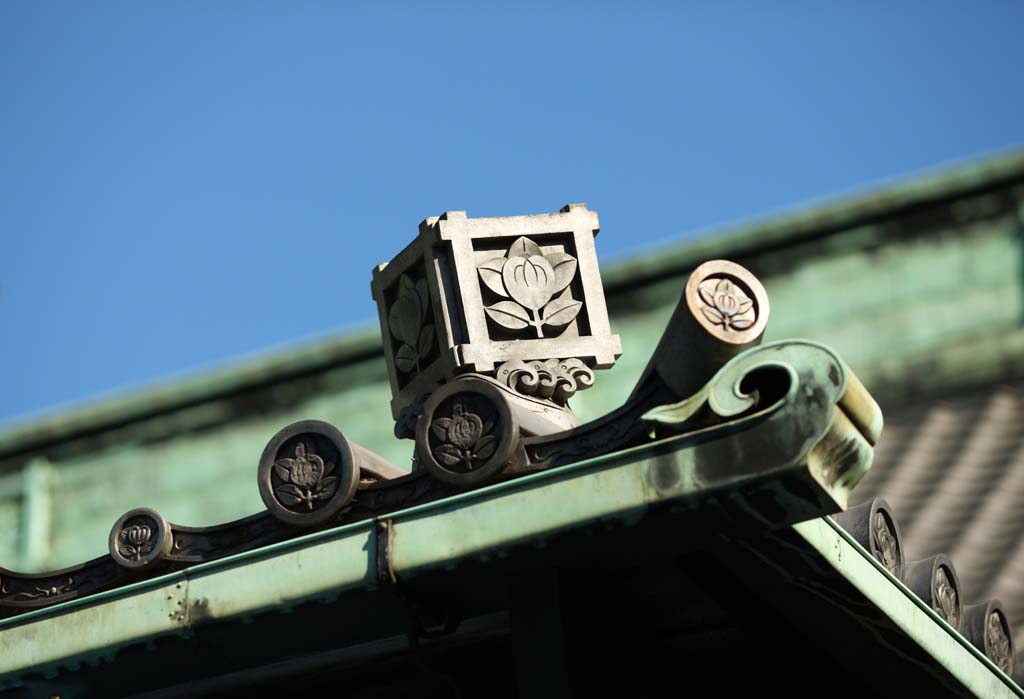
530,280
305,478
136,541
465,438
726,304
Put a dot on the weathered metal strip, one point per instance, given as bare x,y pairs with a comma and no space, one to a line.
324,564
795,388
926,627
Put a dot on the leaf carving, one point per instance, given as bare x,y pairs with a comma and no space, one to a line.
485,447
440,426
426,340
423,294
508,314
289,494
405,359
409,310
705,295
447,455
524,247
327,488
713,314
565,269
561,311
490,273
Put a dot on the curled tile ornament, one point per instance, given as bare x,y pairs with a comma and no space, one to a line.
530,280
467,432
140,538
307,474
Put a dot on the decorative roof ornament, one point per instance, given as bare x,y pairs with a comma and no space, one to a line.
502,298
490,326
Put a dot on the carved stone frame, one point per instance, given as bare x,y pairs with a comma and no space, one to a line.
445,251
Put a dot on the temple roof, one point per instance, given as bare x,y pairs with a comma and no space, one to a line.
294,615
933,264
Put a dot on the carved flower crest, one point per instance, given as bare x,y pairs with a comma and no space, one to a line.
464,437
726,304
135,541
530,279
306,478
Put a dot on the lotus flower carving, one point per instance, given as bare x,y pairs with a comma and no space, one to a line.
530,280
465,438
726,304
306,478
407,321
135,541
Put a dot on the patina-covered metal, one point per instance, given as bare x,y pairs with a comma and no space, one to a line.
483,389
317,600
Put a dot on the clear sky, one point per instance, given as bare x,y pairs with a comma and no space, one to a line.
185,183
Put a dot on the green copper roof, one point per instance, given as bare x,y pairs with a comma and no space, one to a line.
619,490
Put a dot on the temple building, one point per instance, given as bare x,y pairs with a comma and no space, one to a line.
538,476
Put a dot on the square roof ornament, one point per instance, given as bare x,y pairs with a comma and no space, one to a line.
515,298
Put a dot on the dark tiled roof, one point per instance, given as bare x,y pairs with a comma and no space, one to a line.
953,472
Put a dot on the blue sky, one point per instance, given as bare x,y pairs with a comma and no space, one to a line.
185,183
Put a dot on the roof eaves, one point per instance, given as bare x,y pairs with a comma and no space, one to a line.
619,488
321,566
